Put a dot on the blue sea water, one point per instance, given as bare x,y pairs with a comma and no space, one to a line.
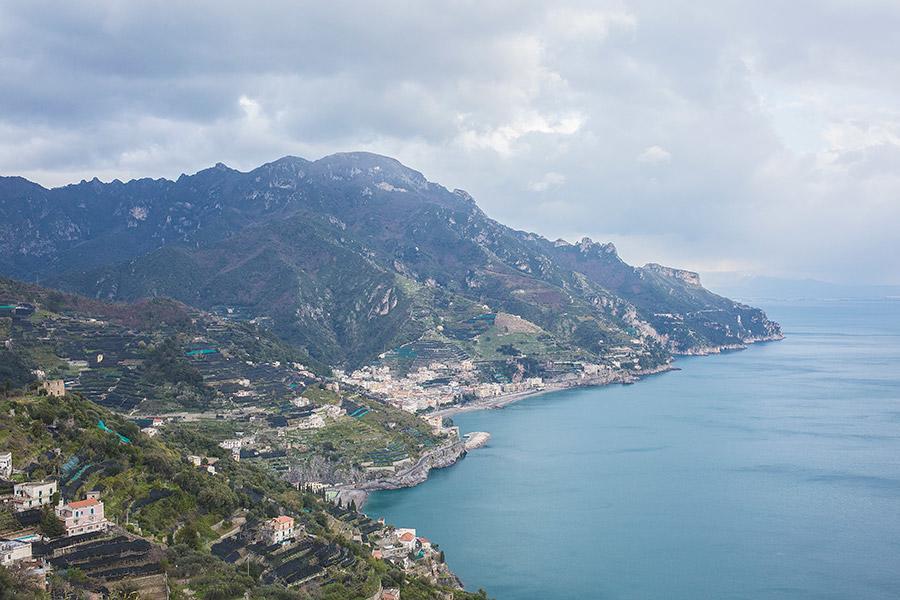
772,472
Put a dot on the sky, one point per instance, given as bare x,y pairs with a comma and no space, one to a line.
754,137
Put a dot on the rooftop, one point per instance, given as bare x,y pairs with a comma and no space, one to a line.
84,503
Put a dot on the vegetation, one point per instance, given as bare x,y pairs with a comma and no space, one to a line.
169,501
354,269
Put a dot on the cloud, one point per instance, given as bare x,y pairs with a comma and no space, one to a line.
688,134
502,139
654,154
549,180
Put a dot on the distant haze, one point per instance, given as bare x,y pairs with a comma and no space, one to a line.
759,137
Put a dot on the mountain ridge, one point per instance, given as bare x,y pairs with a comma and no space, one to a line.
352,255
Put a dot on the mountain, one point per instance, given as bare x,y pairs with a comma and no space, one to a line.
353,255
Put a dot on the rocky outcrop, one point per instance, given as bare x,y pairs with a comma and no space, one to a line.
707,350
438,458
687,277
477,439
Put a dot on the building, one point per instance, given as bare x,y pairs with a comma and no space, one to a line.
424,544
406,538
54,387
237,443
83,516
279,530
33,494
14,551
5,465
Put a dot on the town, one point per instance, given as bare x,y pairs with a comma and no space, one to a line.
332,436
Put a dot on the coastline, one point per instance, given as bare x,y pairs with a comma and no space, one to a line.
504,400
449,455
418,473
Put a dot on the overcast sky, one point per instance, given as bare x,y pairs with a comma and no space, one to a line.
756,137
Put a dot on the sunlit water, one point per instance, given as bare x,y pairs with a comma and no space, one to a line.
768,473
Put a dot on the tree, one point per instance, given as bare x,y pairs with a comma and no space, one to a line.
51,526
189,536
19,583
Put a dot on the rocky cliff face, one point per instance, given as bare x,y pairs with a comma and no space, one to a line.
438,458
686,277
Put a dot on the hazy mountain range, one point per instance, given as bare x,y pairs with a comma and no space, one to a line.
349,256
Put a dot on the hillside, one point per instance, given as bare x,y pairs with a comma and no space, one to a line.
182,526
161,360
353,255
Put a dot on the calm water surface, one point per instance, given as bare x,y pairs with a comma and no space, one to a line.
768,473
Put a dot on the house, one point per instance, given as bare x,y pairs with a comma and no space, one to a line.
279,530
14,551
195,460
237,443
5,465
33,494
54,387
407,538
83,516
311,422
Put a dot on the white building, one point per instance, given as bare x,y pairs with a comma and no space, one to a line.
279,530
33,494
6,465
314,421
83,516
407,538
14,551
237,443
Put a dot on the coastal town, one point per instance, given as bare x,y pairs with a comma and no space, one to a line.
338,436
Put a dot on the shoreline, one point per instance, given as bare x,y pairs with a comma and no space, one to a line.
418,473
504,400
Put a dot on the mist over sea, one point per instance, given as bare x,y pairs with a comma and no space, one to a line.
768,473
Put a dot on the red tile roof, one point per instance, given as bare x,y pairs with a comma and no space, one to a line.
84,503
283,519
407,537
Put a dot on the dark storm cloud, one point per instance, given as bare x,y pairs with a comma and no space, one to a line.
760,137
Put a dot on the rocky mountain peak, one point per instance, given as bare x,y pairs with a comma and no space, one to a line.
688,277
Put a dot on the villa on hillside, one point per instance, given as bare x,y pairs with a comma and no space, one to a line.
83,516
33,494
13,551
278,530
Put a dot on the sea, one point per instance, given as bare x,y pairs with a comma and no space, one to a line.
771,472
